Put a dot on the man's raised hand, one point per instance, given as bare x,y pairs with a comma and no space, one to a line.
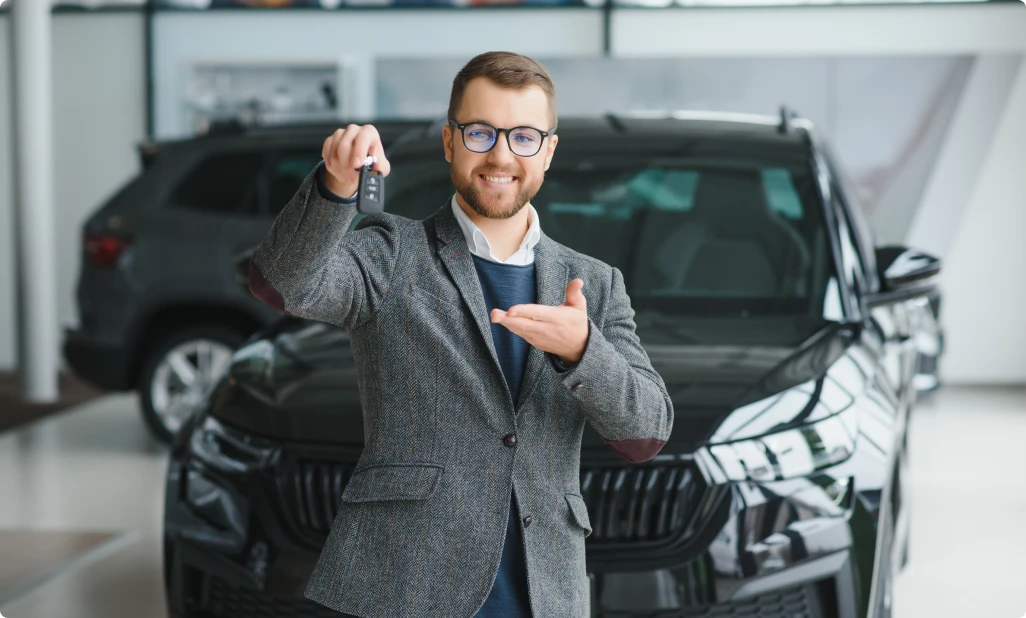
344,152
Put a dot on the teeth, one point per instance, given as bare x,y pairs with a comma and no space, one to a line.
499,179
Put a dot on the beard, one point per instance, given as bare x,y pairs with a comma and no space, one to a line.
493,205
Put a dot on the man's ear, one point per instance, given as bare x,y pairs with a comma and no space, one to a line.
447,142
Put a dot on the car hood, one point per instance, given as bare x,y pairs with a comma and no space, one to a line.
728,378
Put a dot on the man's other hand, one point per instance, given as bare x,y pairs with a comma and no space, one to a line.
560,330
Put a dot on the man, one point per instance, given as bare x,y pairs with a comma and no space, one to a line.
480,360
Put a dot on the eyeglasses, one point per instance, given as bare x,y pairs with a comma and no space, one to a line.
482,137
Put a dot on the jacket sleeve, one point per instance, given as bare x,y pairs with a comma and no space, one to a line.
309,265
622,396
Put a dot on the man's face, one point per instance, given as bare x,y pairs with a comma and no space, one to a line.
498,183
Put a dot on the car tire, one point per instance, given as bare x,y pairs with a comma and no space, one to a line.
166,395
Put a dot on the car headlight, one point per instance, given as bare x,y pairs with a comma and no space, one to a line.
229,450
787,454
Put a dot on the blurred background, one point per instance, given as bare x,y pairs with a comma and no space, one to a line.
924,104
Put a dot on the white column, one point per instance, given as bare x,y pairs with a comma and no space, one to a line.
36,290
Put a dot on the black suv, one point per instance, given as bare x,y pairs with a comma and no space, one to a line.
786,339
160,309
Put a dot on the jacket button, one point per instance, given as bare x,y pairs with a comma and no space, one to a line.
527,521
576,387
509,440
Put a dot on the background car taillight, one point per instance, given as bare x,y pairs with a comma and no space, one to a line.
104,249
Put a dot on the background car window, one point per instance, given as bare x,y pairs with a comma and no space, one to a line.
861,231
224,183
284,177
696,237
850,253
415,188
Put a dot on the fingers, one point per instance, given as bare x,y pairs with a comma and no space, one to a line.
543,313
366,143
345,150
336,152
530,330
574,297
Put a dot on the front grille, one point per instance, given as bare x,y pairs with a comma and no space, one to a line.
640,503
313,491
626,504
801,602
222,600
226,601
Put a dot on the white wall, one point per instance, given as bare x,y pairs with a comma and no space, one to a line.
99,116
985,269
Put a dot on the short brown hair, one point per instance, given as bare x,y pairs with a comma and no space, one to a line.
507,70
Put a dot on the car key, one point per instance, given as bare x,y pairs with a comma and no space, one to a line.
370,198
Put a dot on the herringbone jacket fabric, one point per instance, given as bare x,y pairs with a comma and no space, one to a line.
422,521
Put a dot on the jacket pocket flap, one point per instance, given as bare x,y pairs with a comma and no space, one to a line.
579,510
382,482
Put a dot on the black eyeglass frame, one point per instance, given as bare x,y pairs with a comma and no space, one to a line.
462,128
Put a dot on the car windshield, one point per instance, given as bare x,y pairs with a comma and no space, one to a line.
698,236
737,233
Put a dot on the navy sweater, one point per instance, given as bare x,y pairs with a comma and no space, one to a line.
505,285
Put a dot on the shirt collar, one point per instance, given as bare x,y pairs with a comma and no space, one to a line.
478,243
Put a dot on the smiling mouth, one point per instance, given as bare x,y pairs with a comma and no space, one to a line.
499,180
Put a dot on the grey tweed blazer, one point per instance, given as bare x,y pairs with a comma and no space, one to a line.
422,521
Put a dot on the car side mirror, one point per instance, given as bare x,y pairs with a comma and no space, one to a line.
904,273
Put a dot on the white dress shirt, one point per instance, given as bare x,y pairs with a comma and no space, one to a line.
479,245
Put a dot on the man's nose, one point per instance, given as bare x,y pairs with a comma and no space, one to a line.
500,153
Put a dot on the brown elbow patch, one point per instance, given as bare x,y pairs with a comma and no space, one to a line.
262,289
636,451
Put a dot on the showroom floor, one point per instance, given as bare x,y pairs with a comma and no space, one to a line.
83,490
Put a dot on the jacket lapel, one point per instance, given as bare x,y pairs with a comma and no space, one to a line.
550,288
454,253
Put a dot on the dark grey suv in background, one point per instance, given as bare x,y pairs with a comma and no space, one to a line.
160,309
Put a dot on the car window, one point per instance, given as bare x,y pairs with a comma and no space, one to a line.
699,236
284,176
222,183
862,233
415,188
850,254
781,194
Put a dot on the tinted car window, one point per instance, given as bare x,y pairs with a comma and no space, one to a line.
415,188
284,177
225,182
695,236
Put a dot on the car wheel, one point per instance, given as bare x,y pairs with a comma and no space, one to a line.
180,371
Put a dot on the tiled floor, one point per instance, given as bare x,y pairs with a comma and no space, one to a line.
94,469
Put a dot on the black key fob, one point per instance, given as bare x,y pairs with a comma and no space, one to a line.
370,199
